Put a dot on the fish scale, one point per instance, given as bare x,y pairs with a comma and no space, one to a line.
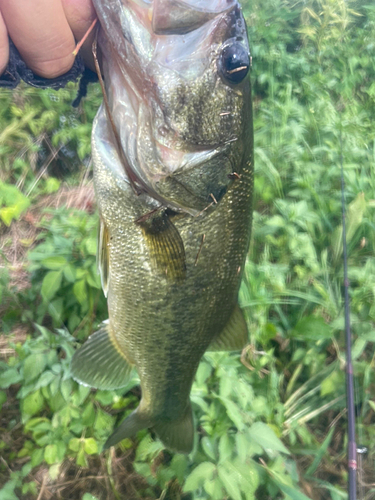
172,276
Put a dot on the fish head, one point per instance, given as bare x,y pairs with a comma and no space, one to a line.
176,78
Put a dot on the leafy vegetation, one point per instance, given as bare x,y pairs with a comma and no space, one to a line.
271,425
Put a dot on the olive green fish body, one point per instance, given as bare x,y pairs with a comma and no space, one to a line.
171,264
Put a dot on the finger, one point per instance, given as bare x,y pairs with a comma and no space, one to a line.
4,45
41,33
80,15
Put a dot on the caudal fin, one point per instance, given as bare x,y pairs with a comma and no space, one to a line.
128,428
177,435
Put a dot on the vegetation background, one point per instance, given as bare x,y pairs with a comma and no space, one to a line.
272,425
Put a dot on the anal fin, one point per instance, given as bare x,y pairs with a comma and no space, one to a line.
100,363
234,336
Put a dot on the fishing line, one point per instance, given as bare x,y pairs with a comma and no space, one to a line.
352,448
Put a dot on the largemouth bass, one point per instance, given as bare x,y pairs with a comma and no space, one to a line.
173,175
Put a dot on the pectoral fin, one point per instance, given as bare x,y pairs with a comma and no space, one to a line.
102,257
100,363
234,336
165,244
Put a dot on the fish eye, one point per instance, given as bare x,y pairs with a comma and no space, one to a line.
234,63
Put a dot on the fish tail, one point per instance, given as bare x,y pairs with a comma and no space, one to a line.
130,426
177,435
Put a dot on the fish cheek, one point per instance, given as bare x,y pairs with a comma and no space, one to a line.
205,112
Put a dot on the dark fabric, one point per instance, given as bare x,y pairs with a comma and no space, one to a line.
17,71
88,76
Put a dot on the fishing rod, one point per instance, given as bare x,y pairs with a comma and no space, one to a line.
352,447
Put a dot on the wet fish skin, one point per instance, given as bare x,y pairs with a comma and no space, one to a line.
172,269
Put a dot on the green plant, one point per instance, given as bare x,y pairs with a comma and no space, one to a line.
12,203
63,272
60,418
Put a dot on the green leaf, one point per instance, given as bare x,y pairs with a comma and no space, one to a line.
354,217
334,381
242,445
208,447
37,457
358,348
74,444
45,379
83,392
66,389
263,435
9,377
321,452
179,465
312,328
234,413
81,458
91,246
54,471
54,262
15,203
292,493
80,292
91,446
51,284
3,398
226,447
203,372
88,496
32,404
104,397
214,488
199,475
229,483
7,214
34,365
247,476
52,185
103,422
50,454
70,273
55,384
37,424
7,491
88,415
61,450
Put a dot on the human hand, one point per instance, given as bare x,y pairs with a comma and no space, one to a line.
45,33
